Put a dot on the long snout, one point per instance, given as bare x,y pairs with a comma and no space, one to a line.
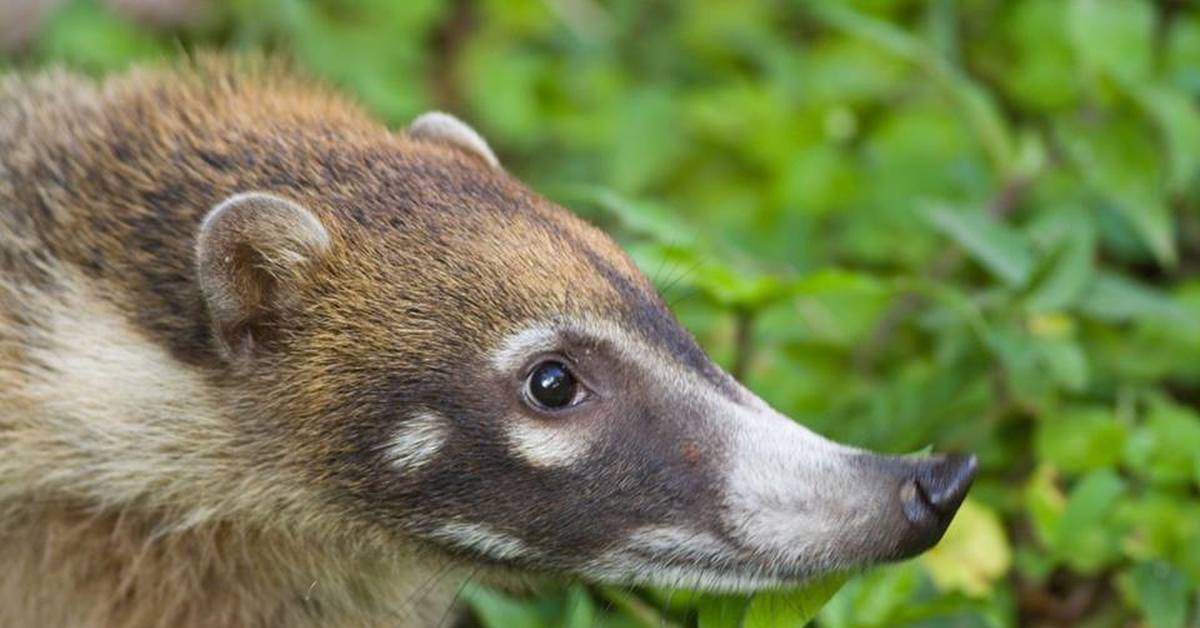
820,505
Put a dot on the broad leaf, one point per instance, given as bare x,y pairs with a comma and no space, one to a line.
497,610
780,609
973,554
1161,591
1086,537
998,247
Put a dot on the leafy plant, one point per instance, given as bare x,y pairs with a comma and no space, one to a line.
974,225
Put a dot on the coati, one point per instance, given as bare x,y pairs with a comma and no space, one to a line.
264,362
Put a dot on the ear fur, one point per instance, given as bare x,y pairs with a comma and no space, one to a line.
251,252
436,126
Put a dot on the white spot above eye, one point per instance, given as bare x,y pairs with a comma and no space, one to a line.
519,346
480,538
418,441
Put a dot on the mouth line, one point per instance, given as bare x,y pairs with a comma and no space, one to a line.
696,578
708,573
714,574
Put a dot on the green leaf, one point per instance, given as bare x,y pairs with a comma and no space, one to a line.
1065,360
640,217
722,611
976,102
1125,166
1113,297
832,306
634,608
1178,121
1086,538
973,554
1024,367
740,289
1042,71
999,248
371,50
796,608
496,610
1166,449
89,35
648,140
580,610
1082,440
1063,276
501,84
875,598
1160,591
1044,502
1164,527
1113,36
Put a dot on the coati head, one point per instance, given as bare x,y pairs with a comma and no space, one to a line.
466,364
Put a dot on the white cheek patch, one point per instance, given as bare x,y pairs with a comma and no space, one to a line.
545,444
482,539
418,441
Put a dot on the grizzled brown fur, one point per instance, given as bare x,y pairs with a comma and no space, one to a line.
260,499
265,362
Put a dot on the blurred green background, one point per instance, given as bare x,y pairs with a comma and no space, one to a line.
970,225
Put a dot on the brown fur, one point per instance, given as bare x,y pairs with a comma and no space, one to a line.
242,497
315,404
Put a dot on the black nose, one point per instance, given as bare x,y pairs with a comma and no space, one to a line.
931,495
942,482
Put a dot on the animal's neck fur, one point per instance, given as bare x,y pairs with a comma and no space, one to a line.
133,491
128,498
66,565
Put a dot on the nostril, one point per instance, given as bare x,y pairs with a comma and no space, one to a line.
931,490
943,482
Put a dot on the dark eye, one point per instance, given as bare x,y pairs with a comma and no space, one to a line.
552,386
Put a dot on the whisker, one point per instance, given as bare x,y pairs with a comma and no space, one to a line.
695,266
454,601
409,604
662,261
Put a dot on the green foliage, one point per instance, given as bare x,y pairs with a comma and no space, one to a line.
969,224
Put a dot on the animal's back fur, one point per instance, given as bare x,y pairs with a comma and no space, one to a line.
108,374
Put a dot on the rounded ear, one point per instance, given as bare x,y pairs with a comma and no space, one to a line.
252,251
444,128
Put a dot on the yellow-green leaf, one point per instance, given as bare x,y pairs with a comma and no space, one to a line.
974,553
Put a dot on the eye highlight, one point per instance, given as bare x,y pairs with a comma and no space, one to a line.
551,386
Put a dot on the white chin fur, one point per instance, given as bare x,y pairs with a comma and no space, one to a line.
674,577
